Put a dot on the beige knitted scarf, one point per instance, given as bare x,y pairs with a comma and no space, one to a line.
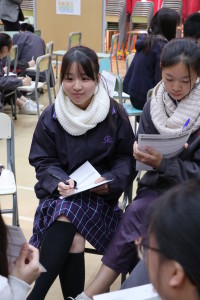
77,121
167,117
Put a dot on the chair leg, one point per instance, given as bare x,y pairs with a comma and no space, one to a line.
37,102
15,106
117,65
15,220
49,92
53,82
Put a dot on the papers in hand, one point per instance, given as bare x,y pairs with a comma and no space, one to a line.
16,239
143,292
167,145
85,177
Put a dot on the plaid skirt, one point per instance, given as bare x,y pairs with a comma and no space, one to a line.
94,219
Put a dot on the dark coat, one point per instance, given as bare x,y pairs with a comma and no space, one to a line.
7,83
144,72
110,151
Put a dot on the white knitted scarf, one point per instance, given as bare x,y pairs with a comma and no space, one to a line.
167,117
77,121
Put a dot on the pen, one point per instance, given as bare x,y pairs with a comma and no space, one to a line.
186,124
32,58
62,180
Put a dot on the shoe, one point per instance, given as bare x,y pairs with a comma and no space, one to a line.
41,106
28,109
81,296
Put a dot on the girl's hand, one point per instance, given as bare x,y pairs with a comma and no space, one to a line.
150,157
102,189
27,267
26,80
31,63
66,189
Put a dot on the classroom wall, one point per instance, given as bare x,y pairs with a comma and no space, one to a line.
57,27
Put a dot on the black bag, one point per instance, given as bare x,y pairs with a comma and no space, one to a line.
21,15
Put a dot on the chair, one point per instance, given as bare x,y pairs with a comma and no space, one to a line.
104,65
113,52
129,59
75,39
12,57
115,17
174,4
49,49
130,109
149,93
43,64
11,94
7,177
141,16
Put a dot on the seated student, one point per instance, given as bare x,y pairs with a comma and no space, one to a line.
192,26
9,83
30,46
171,250
174,100
144,72
85,124
26,269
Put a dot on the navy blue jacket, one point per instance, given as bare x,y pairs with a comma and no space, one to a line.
29,45
109,151
144,72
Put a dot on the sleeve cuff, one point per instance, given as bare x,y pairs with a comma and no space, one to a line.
162,167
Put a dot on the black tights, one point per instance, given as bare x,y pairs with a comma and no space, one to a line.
54,257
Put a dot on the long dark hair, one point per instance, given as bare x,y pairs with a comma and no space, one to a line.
175,223
3,248
184,50
5,40
87,61
164,23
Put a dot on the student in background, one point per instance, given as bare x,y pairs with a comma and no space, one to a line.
9,83
30,46
25,270
171,250
174,101
144,72
85,124
192,26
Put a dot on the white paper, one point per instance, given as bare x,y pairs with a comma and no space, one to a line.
167,145
10,74
85,176
144,292
110,81
16,239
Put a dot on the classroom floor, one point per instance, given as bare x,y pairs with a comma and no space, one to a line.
27,201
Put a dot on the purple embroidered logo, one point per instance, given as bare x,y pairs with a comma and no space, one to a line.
107,140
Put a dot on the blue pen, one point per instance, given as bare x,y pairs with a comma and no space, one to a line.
185,125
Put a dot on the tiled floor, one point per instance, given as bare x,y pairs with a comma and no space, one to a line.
25,174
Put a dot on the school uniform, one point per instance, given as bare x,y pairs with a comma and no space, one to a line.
121,254
108,150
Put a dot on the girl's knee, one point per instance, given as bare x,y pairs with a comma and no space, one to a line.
78,244
63,219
